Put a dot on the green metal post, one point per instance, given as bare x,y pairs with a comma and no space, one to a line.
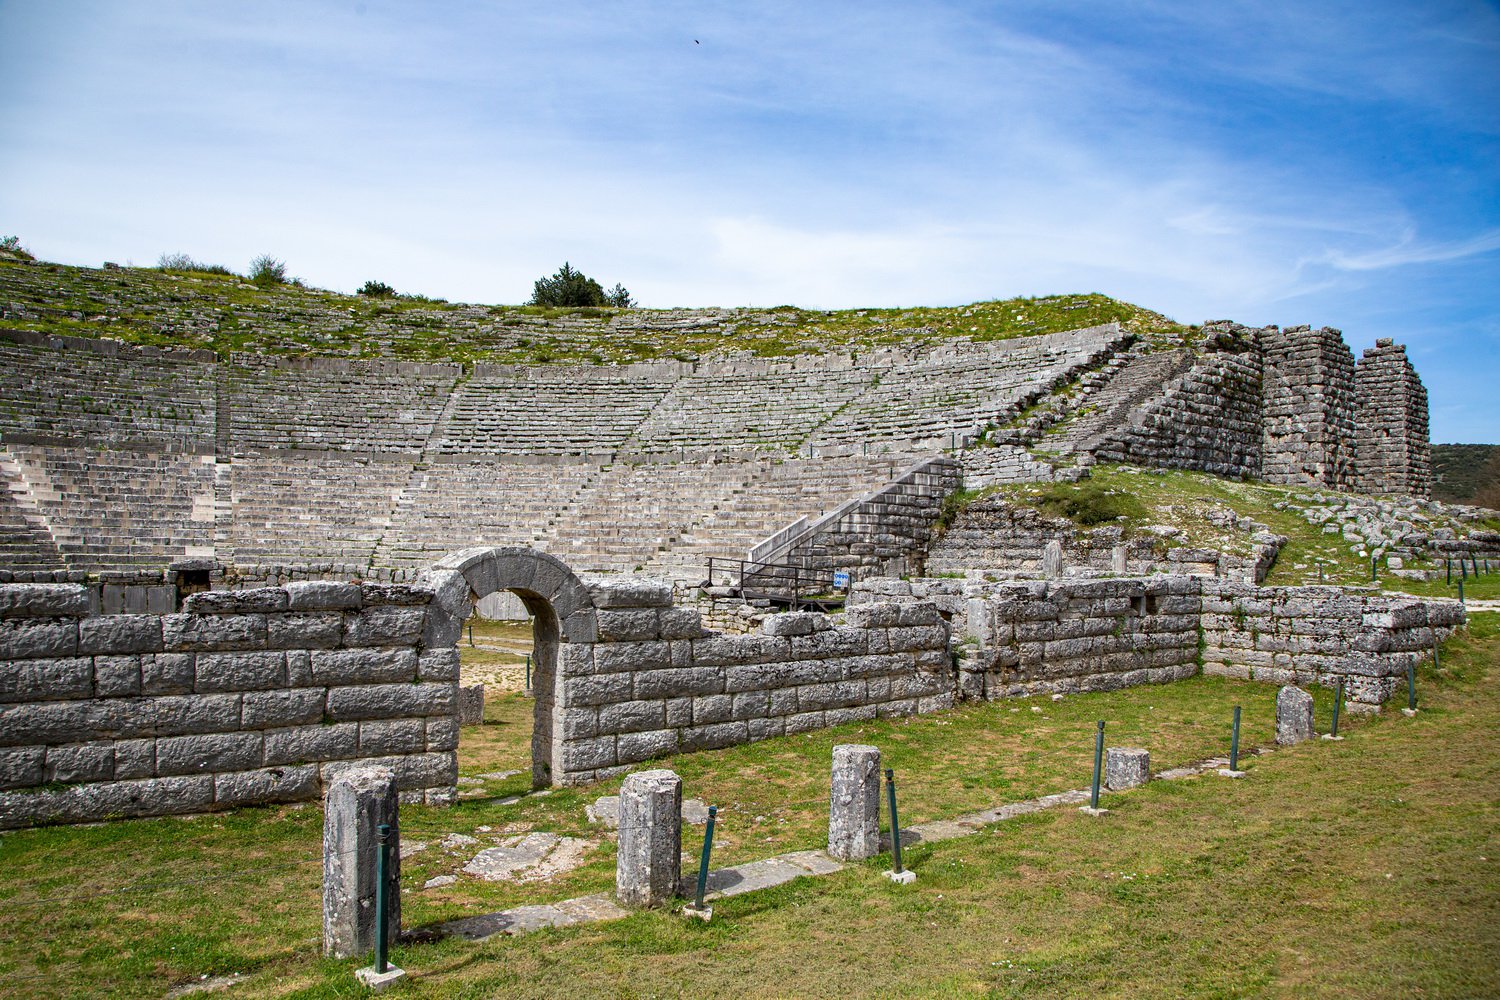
471,634
1475,561
1448,568
1460,592
1234,742
708,847
382,850
528,671
1320,572
890,789
1437,661
1411,684
1338,702
1373,577
1463,569
1098,764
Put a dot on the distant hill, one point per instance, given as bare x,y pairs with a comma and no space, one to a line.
1467,473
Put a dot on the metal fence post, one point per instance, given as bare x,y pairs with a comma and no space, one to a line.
1234,742
708,846
382,851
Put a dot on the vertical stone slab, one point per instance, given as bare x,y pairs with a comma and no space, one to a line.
650,845
359,800
1119,559
854,803
1052,560
471,705
1294,715
1126,767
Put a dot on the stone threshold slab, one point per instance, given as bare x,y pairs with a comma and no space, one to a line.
752,875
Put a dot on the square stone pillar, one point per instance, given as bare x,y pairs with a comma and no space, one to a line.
1126,767
854,803
471,705
1294,715
649,861
358,802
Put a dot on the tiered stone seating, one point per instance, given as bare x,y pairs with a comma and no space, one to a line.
104,393
727,406
287,509
953,393
1110,406
118,509
517,410
629,513
322,403
776,494
25,545
453,505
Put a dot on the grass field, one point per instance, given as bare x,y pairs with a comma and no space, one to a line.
1362,868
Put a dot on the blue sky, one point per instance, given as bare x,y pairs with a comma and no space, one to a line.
1324,163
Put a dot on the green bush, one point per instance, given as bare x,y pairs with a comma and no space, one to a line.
572,288
376,289
12,245
266,271
183,262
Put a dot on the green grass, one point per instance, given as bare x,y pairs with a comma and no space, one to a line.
1271,886
227,313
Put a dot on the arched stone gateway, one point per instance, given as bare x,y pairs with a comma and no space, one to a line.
562,611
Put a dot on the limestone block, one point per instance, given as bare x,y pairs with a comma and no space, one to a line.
650,838
43,600
277,709
1126,767
189,632
359,801
630,624
385,701
239,671
208,752
384,737
854,803
629,592
438,665
270,784
46,680
117,634
167,673
331,667
678,682
21,767
384,626
304,631
471,705
234,602
1294,715
296,744
320,595
79,762
22,639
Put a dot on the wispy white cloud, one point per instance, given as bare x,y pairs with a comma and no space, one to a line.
1408,250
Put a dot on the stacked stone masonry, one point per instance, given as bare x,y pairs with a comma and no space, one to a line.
1391,423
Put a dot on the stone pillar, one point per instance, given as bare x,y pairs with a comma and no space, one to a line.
1294,716
854,803
1126,767
471,705
360,799
1052,560
1119,559
649,861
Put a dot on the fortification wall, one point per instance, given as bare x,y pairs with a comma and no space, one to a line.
1208,418
1308,392
255,696
1395,455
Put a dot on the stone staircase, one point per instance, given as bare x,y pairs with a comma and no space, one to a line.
25,542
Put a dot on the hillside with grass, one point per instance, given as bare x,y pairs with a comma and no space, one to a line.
209,307
1467,473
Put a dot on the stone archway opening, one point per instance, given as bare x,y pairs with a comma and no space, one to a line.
562,616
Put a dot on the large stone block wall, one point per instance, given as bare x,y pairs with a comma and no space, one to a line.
883,532
245,697
1033,637
1308,391
1395,455
1316,635
1208,418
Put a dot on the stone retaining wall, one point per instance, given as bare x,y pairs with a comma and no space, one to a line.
253,696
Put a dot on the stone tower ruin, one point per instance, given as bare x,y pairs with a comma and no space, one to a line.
1391,423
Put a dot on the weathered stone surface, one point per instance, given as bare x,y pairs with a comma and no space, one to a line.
357,804
319,595
1126,767
43,600
332,667
471,705
1294,715
854,803
46,679
226,602
384,626
117,634
239,671
531,857
650,842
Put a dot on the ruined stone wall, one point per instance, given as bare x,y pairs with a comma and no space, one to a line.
1395,455
254,696
883,532
1308,392
1315,635
1207,419
1021,638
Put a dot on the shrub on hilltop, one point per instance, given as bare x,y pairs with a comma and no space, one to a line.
184,262
267,271
571,287
376,290
10,246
